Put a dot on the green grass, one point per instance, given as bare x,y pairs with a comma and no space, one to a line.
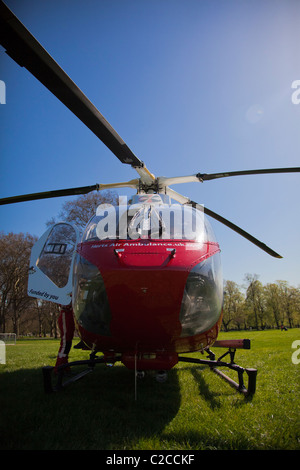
193,410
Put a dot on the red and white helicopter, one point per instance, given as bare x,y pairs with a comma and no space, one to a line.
145,277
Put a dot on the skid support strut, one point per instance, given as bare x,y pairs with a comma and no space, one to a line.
63,379
214,365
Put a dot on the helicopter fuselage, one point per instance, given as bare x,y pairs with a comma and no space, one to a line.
147,299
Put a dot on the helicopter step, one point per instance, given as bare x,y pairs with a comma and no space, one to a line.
232,343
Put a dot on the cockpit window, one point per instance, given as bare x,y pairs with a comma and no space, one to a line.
149,221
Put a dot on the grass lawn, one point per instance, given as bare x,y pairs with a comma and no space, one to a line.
193,410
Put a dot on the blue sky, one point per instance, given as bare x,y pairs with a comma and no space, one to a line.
191,86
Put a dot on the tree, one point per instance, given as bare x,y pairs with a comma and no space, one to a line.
80,210
255,300
233,305
274,303
290,299
14,262
46,315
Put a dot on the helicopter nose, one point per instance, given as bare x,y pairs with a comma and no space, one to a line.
146,305
148,287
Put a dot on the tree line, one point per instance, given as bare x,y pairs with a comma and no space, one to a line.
252,305
260,306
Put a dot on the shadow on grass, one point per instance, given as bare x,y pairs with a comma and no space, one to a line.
212,395
97,412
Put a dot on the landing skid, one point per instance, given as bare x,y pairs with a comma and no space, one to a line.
215,364
63,379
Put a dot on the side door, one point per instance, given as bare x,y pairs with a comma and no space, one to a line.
51,264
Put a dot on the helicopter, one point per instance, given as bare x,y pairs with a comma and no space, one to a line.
144,278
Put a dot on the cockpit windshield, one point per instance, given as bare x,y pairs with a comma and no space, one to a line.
149,221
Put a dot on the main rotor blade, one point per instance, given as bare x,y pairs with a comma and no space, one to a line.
201,177
212,176
241,232
49,194
185,200
22,47
69,192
